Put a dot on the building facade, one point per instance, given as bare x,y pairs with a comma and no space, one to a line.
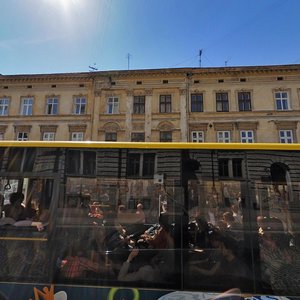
228,104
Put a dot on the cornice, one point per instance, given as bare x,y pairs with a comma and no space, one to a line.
168,72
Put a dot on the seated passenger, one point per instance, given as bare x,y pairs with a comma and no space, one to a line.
280,262
228,263
15,209
147,272
161,239
76,264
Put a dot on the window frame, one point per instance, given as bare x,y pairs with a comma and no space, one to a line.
4,106
223,138
78,133
166,136
80,105
112,105
165,103
197,102
244,101
52,105
111,136
222,102
199,136
26,108
49,133
247,138
139,104
21,136
286,139
282,103
141,165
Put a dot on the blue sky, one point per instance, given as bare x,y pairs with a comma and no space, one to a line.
55,36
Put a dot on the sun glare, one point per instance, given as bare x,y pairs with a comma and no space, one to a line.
63,4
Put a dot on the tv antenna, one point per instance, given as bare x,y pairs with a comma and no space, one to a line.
93,68
128,60
200,56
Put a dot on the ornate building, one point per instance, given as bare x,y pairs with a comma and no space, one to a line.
228,104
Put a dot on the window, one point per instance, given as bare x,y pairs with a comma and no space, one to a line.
247,136
110,136
79,105
22,136
48,136
166,136
26,106
223,136
81,162
4,106
77,136
139,104
286,136
113,105
21,159
165,104
52,106
244,100
282,101
138,137
141,165
230,167
222,102
1,136
197,136
197,103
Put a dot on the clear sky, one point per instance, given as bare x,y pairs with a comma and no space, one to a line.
56,36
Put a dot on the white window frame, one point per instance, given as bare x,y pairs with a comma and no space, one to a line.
197,136
26,106
4,103
247,136
282,100
80,105
52,105
22,136
223,136
48,136
77,136
286,136
112,105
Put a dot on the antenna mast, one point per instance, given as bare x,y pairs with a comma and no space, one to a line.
128,60
200,55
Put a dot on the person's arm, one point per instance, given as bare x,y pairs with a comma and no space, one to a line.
123,274
206,272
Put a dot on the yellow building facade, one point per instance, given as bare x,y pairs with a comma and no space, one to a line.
228,104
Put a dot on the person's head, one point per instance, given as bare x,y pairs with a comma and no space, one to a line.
228,217
139,206
16,198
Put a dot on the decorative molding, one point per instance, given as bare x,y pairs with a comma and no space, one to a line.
224,125
22,128
48,128
288,125
198,126
246,125
77,127
111,127
165,126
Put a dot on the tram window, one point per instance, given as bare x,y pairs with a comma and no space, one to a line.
21,159
230,167
81,162
141,165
